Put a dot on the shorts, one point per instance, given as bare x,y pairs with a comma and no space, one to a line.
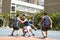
16,28
28,27
45,28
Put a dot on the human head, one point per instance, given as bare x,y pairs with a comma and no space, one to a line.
32,17
23,16
17,15
45,13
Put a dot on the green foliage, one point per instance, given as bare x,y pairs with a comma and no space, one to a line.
37,17
1,22
55,19
6,16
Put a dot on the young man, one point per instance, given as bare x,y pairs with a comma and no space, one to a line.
46,23
27,27
15,25
31,21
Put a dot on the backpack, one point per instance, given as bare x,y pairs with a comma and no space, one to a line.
46,21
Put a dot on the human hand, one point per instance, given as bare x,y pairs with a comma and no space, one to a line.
51,26
35,28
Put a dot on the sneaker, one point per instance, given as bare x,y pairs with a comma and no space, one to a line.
29,36
23,35
33,34
11,35
44,37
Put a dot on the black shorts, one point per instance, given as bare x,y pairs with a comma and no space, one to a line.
45,28
16,28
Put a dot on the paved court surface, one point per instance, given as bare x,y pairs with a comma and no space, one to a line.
24,38
4,32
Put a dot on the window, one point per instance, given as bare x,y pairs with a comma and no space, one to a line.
24,0
13,3
41,2
13,8
31,9
21,7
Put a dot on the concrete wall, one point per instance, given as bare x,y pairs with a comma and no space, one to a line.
52,6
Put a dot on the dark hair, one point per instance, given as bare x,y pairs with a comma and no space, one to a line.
45,13
23,15
32,17
17,15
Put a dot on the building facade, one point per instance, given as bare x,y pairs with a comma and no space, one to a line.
27,7
24,6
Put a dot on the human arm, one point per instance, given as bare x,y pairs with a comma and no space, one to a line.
50,22
20,21
24,20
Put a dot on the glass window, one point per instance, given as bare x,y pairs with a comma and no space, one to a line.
21,7
41,2
31,9
24,0
13,8
13,3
